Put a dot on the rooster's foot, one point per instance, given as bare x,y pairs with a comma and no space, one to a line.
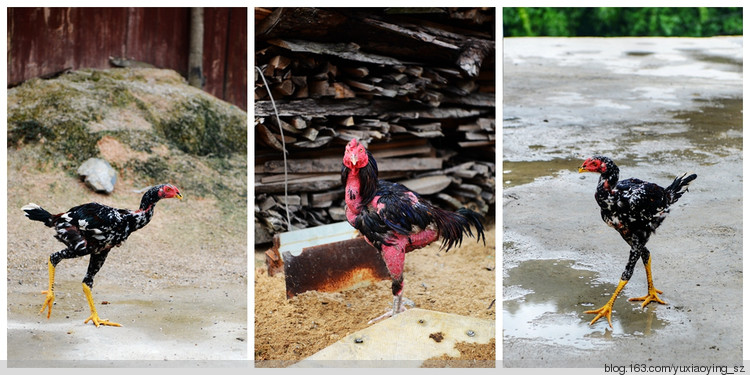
387,314
94,318
652,296
604,311
398,307
48,301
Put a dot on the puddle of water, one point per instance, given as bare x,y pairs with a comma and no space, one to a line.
638,53
730,64
524,172
559,293
715,129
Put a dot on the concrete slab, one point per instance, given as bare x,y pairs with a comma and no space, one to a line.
406,340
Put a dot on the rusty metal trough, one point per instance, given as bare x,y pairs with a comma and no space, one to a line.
327,258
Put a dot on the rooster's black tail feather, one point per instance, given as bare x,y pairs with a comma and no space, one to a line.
454,225
34,212
679,186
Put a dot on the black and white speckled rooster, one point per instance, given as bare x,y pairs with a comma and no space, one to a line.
635,208
94,229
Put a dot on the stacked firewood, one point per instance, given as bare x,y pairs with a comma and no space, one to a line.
419,93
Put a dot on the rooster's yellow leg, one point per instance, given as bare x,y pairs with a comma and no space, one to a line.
50,292
606,310
653,293
94,316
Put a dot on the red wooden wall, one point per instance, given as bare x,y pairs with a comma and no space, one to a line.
43,41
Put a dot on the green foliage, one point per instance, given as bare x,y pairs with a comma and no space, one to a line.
608,22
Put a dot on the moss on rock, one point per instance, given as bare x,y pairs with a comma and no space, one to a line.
60,122
196,127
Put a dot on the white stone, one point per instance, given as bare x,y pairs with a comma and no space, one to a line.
98,175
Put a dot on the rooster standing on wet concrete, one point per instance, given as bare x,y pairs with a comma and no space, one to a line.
94,229
396,220
635,208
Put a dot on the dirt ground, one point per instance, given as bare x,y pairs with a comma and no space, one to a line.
461,281
178,286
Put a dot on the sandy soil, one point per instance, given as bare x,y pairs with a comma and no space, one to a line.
461,281
178,286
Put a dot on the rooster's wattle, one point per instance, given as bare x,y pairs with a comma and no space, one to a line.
396,220
634,208
94,229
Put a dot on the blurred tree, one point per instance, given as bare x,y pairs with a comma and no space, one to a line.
689,22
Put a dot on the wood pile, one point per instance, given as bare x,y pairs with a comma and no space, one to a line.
417,86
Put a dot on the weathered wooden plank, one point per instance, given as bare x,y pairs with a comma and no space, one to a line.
453,202
269,138
361,135
299,186
433,126
285,88
427,134
476,136
279,62
334,165
356,72
301,166
324,107
285,138
298,123
342,91
310,134
316,199
347,51
486,123
476,143
475,99
468,128
473,53
362,85
465,173
318,142
272,178
303,22
317,89
292,200
428,185
402,151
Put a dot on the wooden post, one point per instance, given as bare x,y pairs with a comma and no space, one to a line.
195,59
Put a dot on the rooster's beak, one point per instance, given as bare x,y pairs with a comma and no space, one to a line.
581,170
354,159
178,196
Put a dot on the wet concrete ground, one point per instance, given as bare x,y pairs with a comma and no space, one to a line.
160,328
177,286
659,107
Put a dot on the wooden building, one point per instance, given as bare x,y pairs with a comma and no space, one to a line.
43,42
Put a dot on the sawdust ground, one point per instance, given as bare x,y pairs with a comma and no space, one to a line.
461,281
